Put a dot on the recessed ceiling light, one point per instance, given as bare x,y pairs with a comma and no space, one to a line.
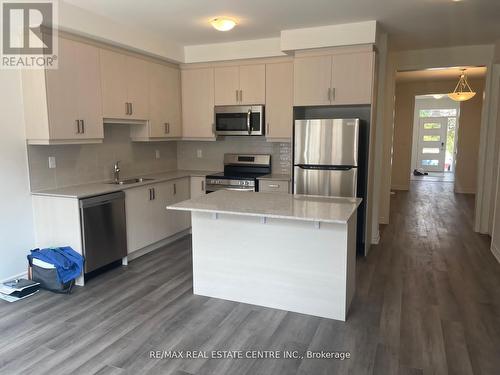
223,23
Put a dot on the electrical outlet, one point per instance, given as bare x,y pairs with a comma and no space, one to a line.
52,162
199,153
157,154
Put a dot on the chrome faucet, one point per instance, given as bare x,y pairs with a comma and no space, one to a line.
116,172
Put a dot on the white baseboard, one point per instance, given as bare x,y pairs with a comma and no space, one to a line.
400,187
23,275
496,252
147,249
459,190
376,238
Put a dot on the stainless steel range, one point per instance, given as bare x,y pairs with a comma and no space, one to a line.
240,173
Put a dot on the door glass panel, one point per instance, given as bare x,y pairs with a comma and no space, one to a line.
433,163
431,125
437,113
432,138
430,150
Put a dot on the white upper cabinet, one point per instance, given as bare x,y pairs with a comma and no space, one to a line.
312,80
279,100
198,103
352,78
227,85
137,78
64,105
253,84
244,84
114,84
164,105
125,86
337,79
165,102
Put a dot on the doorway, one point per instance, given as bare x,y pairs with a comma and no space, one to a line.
435,135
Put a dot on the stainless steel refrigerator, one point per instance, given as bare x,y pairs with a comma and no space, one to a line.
329,159
326,157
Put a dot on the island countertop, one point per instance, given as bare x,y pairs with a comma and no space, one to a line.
269,205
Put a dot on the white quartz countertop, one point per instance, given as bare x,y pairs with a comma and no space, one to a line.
99,188
270,205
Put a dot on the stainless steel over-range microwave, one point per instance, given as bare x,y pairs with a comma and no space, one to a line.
239,120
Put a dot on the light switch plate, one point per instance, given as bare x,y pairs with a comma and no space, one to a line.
52,162
199,153
157,154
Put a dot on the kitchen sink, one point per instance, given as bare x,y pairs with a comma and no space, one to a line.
129,181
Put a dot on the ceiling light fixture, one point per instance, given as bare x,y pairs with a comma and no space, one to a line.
462,91
223,23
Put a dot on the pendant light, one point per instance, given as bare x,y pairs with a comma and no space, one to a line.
462,91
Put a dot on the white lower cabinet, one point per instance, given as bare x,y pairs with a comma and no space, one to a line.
148,220
197,187
274,186
178,220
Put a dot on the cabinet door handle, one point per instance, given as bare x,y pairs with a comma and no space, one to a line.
329,94
241,96
77,126
83,126
274,186
168,127
150,194
126,108
154,193
165,128
202,185
333,94
131,108
237,99
175,189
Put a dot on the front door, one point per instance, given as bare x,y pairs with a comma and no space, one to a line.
432,134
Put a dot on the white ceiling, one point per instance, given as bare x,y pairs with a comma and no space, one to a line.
410,23
440,74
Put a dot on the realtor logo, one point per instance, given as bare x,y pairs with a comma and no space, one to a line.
29,35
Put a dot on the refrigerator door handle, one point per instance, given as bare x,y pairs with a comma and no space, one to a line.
326,167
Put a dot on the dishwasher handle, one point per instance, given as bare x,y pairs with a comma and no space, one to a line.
101,199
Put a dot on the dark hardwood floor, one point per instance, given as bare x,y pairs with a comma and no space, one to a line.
427,302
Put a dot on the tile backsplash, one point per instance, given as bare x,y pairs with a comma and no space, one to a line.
212,153
79,164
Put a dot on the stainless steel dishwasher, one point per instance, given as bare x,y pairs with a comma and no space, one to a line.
104,232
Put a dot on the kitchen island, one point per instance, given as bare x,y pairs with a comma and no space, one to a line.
290,252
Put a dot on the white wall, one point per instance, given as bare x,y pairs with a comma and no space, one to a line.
382,51
246,49
16,220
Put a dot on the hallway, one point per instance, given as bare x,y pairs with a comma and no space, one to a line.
438,285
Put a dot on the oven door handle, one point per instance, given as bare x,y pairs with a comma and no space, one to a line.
249,126
237,189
